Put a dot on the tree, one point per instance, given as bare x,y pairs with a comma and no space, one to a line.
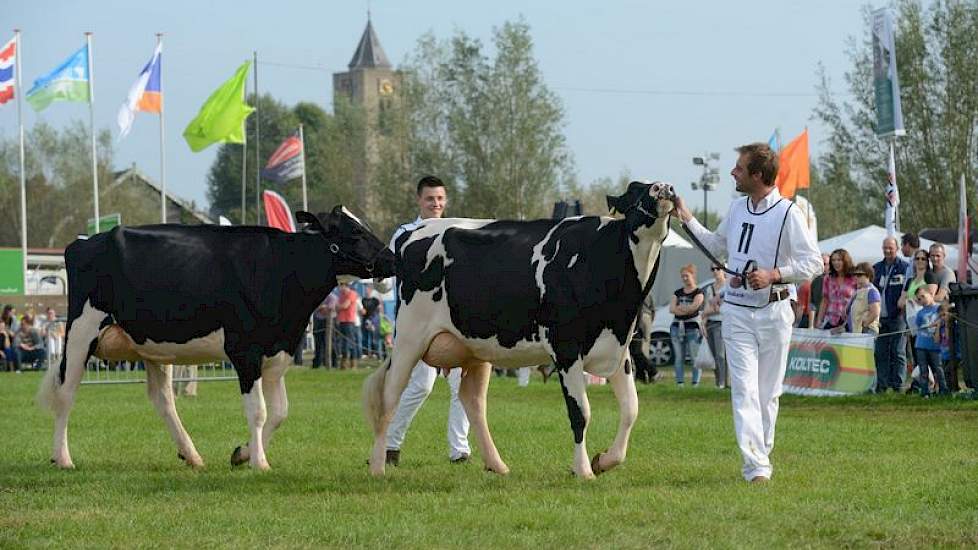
489,127
59,184
937,60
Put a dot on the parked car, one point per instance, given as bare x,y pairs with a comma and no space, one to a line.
660,343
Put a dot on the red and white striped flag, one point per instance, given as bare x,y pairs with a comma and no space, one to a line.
8,56
278,212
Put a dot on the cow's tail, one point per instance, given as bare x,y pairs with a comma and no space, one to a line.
47,392
373,396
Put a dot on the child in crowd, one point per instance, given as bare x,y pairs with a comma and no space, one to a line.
927,347
863,309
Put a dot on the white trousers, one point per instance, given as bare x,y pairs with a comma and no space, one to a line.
756,341
418,389
523,377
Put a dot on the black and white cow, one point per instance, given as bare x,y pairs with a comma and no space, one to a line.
177,294
519,293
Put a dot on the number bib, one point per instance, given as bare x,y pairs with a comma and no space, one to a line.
754,236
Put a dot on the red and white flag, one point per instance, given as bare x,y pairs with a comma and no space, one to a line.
278,212
8,58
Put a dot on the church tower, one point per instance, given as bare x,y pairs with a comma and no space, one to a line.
371,84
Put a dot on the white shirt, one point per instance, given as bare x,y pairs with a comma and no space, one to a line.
799,258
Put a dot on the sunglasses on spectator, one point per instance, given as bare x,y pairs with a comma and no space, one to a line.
715,269
924,258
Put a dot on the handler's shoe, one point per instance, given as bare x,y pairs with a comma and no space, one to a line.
393,457
460,459
760,480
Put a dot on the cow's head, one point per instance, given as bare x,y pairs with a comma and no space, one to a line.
357,253
643,203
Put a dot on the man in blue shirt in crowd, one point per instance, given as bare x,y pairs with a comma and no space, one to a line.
891,355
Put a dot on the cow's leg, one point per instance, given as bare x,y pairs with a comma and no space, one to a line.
472,393
623,384
59,386
383,391
159,387
579,412
273,385
248,364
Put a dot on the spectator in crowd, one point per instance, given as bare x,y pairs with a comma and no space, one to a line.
950,336
945,275
928,344
320,320
371,322
7,353
432,198
890,275
837,289
333,336
30,344
9,316
713,298
346,316
920,275
54,334
386,329
909,243
685,305
815,295
863,310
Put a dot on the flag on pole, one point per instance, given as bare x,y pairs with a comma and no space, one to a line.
964,247
773,141
220,118
277,211
146,94
67,82
286,161
886,84
793,172
7,58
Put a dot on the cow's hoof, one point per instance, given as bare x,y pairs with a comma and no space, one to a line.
181,457
63,464
238,457
596,465
377,471
261,466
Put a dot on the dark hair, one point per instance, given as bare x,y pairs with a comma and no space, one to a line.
910,238
864,268
760,159
846,263
429,181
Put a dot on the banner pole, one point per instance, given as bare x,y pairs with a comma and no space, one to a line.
302,151
23,178
257,147
159,43
244,155
91,121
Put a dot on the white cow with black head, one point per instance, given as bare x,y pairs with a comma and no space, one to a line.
475,293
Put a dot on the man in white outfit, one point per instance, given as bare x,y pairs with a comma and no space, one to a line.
432,199
765,231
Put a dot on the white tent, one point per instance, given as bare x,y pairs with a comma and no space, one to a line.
866,245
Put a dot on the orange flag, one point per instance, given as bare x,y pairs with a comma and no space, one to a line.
793,173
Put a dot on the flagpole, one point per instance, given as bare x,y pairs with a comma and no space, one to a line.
91,121
302,150
159,44
244,154
257,146
892,214
23,179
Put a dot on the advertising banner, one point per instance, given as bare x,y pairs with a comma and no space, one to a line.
889,116
820,363
11,271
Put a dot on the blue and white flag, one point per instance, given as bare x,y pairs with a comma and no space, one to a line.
67,82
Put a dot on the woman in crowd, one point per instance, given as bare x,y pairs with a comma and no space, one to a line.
863,309
7,354
922,275
685,329
713,296
837,289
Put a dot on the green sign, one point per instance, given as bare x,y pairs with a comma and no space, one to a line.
11,271
104,223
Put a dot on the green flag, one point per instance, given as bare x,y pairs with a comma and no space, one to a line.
221,116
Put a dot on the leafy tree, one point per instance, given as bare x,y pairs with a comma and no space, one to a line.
937,60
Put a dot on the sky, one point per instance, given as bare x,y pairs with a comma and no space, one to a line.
646,85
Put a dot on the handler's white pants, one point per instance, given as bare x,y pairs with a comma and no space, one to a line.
756,341
419,387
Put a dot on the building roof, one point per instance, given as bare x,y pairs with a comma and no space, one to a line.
133,172
369,52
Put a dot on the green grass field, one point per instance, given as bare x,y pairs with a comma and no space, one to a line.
891,471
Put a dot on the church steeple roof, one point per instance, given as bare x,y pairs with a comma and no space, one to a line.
369,52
